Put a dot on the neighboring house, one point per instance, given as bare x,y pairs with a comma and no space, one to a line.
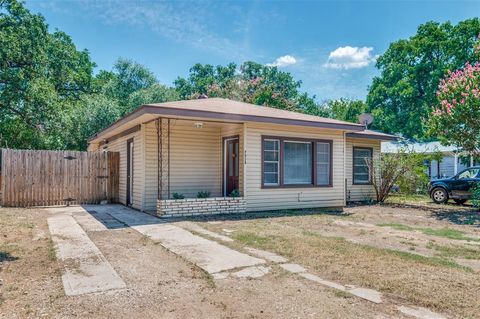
452,162
267,158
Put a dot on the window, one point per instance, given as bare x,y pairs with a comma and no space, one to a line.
271,162
469,173
361,156
297,168
290,162
323,163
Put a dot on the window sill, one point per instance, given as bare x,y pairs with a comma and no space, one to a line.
296,186
369,183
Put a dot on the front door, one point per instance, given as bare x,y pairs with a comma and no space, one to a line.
231,167
129,194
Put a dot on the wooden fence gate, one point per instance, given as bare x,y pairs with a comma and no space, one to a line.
46,178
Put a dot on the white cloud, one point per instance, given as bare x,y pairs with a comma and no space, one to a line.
350,58
283,61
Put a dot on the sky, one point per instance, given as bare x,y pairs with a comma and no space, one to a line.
331,46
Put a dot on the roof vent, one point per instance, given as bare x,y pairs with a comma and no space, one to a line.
202,96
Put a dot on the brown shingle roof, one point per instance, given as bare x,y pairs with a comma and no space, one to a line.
228,110
226,106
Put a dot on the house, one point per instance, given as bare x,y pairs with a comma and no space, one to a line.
452,161
245,157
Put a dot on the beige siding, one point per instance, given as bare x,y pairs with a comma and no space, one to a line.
285,198
120,145
359,192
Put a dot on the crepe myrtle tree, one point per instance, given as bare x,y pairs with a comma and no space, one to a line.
455,119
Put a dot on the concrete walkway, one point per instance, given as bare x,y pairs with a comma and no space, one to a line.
207,254
86,269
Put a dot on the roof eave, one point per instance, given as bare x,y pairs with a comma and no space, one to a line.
373,136
170,111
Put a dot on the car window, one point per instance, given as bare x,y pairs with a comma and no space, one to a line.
469,173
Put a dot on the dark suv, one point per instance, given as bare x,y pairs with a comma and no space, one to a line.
458,187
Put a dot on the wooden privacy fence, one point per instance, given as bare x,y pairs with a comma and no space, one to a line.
46,178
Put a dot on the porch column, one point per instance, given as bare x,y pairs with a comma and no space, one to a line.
163,157
471,160
455,164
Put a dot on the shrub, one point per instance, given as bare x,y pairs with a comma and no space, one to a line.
476,195
235,193
178,196
203,194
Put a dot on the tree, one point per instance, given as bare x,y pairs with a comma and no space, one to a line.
392,169
345,109
402,96
42,75
456,116
251,82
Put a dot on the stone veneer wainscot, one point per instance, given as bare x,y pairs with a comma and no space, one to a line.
200,206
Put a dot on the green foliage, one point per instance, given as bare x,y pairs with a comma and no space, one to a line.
455,115
42,75
345,109
235,193
402,96
415,179
178,196
253,83
476,195
203,194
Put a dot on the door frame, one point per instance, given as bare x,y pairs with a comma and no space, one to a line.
224,161
129,175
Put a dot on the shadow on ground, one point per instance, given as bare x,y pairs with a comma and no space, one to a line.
464,217
140,218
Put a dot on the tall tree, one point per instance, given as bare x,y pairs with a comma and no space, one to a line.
42,76
402,96
251,82
345,109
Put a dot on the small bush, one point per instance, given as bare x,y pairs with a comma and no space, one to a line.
203,194
178,196
476,195
235,193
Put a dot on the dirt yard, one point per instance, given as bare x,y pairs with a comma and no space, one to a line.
429,257
426,257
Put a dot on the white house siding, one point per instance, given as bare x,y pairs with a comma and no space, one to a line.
120,145
447,167
259,199
356,193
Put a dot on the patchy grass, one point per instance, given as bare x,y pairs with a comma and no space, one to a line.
455,251
421,280
439,232
406,198
398,226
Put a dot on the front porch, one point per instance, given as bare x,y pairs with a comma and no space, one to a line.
199,166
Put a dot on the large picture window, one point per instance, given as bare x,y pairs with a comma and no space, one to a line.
291,162
361,156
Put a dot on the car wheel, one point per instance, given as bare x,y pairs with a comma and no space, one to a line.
460,201
439,195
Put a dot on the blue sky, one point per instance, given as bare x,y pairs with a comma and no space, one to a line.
329,45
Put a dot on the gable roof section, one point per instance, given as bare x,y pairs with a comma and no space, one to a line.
227,110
